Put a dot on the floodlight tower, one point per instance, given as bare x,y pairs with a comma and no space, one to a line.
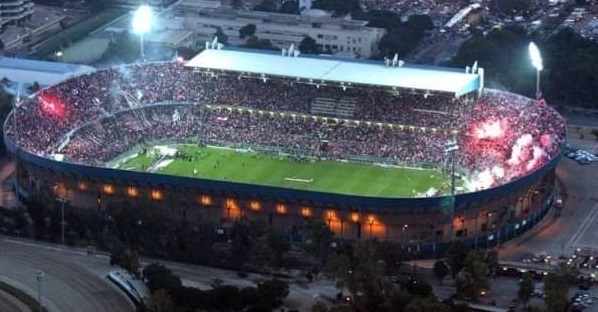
534,54
451,147
16,103
142,24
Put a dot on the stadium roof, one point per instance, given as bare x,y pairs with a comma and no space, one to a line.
329,69
23,72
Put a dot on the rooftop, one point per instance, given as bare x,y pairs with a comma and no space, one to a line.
39,66
329,69
22,71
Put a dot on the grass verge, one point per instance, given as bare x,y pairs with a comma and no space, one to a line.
21,296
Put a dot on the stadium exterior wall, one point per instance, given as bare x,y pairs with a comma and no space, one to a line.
479,217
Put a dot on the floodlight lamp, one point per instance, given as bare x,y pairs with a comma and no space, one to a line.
142,20
534,54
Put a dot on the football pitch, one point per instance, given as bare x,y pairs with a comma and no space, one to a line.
321,175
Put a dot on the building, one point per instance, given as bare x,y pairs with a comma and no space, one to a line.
15,11
483,218
19,74
171,38
337,35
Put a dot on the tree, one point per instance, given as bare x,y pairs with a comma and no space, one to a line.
380,18
254,42
129,260
556,292
319,239
440,270
526,288
339,265
34,87
5,82
393,256
159,301
260,253
319,307
339,7
241,243
420,289
279,244
116,252
290,7
266,6
157,276
247,31
274,291
571,63
6,100
456,254
503,53
426,305
420,22
397,300
473,278
222,37
309,46
365,276
400,41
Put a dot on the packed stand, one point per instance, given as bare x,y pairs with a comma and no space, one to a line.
506,136
501,137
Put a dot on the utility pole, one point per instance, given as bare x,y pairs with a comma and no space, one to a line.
62,200
450,148
39,275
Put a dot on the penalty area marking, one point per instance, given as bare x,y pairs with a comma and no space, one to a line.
299,180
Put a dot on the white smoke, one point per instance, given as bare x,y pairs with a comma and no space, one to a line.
517,150
537,154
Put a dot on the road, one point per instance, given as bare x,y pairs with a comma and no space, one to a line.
71,282
75,281
576,226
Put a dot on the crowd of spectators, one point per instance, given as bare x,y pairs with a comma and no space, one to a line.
506,136
94,118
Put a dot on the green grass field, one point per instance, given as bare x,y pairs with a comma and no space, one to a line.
324,176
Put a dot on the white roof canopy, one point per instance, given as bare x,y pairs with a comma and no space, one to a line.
324,69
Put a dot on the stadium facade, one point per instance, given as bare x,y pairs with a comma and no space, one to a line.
15,11
337,35
481,217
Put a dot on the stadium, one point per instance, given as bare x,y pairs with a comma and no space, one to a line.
416,154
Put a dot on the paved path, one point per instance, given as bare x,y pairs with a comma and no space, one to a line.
72,281
95,293
576,226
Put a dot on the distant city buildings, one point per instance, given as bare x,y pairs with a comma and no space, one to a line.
15,11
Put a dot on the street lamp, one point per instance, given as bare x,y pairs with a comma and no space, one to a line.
142,24
15,113
403,229
534,54
450,148
62,200
371,221
39,275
